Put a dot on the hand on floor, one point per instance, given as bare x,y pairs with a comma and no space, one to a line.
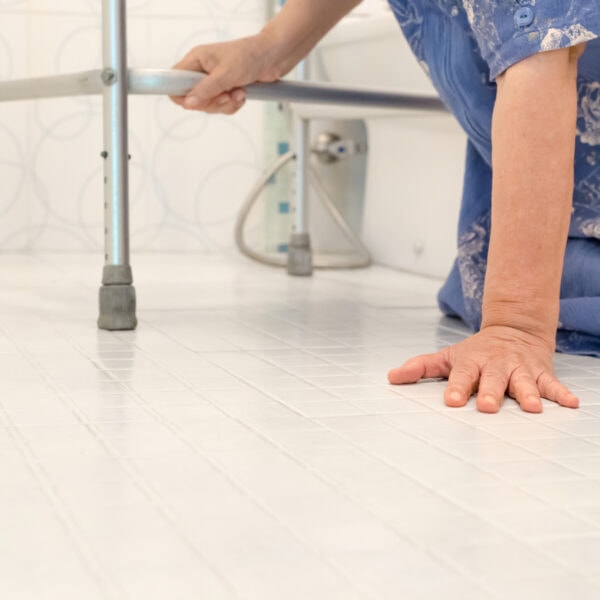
494,362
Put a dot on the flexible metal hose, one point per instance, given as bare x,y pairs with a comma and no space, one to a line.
362,258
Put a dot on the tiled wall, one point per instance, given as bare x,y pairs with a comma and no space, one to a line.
189,172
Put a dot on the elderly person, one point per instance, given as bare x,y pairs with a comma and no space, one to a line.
523,80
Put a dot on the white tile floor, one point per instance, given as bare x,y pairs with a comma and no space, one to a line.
243,443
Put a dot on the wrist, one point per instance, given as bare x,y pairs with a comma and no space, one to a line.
532,318
277,52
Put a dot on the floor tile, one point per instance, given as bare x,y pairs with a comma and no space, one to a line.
249,446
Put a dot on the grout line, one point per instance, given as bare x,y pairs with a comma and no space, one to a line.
90,561
137,478
330,483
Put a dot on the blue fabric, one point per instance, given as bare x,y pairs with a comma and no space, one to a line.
463,46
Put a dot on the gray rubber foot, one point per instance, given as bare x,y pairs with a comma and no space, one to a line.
300,260
117,299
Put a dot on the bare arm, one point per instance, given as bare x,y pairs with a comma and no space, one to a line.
533,137
267,56
299,26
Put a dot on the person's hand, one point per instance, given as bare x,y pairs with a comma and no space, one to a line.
229,67
494,362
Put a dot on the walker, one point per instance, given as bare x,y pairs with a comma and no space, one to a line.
115,82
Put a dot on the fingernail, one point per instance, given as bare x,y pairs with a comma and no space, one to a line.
455,396
239,96
491,402
191,102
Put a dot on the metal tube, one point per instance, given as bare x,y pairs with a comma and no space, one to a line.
302,147
76,84
299,256
117,296
116,180
178,83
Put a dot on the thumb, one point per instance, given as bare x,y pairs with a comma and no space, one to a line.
425,366
216,81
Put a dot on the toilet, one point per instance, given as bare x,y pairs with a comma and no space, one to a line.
415,159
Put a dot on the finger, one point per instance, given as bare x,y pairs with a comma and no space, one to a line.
190,62
425,366
492,388
462,382
552,389
210,88
524,390
177,100
226,104
230,107
233,100
195,60
236,96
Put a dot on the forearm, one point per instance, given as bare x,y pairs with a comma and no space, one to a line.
533,137
298,27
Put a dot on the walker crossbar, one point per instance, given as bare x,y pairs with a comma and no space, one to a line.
115,82
178,83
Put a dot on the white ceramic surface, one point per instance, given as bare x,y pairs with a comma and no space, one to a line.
243,445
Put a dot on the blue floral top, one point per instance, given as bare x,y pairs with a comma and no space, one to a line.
464,45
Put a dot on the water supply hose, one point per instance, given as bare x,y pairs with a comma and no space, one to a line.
361,258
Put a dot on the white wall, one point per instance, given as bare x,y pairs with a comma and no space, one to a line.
189,172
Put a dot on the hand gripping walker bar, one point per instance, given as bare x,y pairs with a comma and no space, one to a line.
173,82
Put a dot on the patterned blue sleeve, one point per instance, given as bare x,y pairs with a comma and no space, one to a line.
508,31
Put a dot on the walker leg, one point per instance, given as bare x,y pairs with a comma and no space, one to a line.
117,294
300,259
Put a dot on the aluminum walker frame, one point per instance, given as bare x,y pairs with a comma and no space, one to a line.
115,82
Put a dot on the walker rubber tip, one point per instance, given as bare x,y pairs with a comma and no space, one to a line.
300,259
117,308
